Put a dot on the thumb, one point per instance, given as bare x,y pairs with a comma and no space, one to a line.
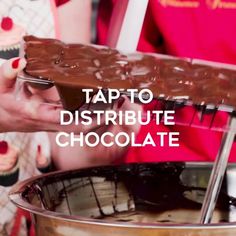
8,72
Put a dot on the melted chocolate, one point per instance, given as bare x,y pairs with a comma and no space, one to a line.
135,192
72,67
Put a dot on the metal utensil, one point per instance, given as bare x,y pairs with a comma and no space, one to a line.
217,173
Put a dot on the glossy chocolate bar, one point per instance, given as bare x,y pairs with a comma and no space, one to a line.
72,67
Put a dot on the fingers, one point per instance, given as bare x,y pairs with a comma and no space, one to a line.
36,109
49,94
9,71
49,113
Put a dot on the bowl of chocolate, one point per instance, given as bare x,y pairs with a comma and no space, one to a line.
132,199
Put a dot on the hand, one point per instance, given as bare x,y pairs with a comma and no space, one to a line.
21,115
29,113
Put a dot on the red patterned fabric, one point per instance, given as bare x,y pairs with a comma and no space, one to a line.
61,2
20,214
200,31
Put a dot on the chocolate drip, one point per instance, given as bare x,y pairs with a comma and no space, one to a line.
66,197
72,67
151,189
96,198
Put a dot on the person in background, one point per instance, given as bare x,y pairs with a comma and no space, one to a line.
23,155
196,29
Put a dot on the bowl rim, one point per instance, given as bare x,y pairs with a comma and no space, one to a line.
16,198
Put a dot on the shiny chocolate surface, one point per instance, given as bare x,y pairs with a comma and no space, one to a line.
132,199
72,67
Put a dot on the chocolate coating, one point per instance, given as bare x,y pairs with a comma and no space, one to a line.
72,67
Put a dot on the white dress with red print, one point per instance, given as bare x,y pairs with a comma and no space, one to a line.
38,18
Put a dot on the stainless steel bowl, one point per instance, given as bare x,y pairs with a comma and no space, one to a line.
161,199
